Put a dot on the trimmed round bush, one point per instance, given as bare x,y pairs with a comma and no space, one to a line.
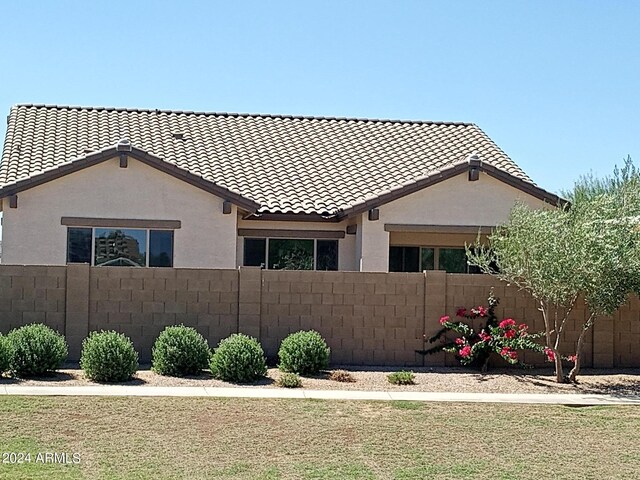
402,378
180,351
108,357
289,380
238,358
6,354
304,353
37,350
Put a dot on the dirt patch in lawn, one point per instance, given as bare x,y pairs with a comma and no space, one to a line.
622,382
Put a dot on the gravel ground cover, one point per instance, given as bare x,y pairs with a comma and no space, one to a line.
620,381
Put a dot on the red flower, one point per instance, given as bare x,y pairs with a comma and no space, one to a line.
507,323
465,351
459,341
572,358
444,319
510,333
482,312
507,352
461,312
485,337
551,355
523,327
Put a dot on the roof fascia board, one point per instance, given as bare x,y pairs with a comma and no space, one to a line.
446,174
402,192
142,156
195,180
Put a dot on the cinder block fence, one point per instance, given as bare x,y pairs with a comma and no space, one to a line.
366,318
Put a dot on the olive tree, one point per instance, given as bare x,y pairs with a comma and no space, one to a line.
606,218
535,251
589,250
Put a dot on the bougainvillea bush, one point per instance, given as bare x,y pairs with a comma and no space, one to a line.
480,358
472,347
506,339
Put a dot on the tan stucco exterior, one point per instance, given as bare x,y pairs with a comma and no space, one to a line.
32,233
456,201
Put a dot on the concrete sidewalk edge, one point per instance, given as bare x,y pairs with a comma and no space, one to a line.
249,392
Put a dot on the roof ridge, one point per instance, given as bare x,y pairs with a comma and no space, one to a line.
244,115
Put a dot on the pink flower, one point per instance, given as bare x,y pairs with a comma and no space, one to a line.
523,327
459,341
508,353
482,312
484,336
510,333
507,323
461,312
444,319
551,355
572,358
465,351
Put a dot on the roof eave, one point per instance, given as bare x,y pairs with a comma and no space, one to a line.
140,155
445,174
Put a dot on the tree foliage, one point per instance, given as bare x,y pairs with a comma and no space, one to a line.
588,249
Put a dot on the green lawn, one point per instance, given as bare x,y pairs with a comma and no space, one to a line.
310,439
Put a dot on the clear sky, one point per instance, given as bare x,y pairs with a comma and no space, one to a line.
556,84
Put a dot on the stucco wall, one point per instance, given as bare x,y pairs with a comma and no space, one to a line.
32,233
455,201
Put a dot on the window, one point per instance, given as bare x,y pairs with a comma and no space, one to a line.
129,247
255,251
452,260
404,259
417,259
79,245
291,254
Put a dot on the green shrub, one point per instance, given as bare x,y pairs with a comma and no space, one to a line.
341,376
108,357
238,358
289,380
402,378
37,350
180,351
304,353
6,354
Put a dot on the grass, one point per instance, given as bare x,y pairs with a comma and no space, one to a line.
314,439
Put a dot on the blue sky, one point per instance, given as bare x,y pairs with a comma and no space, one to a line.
555,84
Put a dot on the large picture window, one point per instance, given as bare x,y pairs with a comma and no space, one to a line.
291,254
417,259
125,247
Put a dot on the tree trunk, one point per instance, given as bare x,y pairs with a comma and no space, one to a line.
559,373
485,365
576,367
552,342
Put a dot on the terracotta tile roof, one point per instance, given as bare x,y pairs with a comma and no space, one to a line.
286,164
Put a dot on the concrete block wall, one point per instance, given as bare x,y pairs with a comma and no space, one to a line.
367,318
32,294
141,302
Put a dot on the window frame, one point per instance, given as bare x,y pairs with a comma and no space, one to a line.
265,264
147,240
436,257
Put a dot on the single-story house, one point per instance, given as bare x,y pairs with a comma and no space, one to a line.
116,186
